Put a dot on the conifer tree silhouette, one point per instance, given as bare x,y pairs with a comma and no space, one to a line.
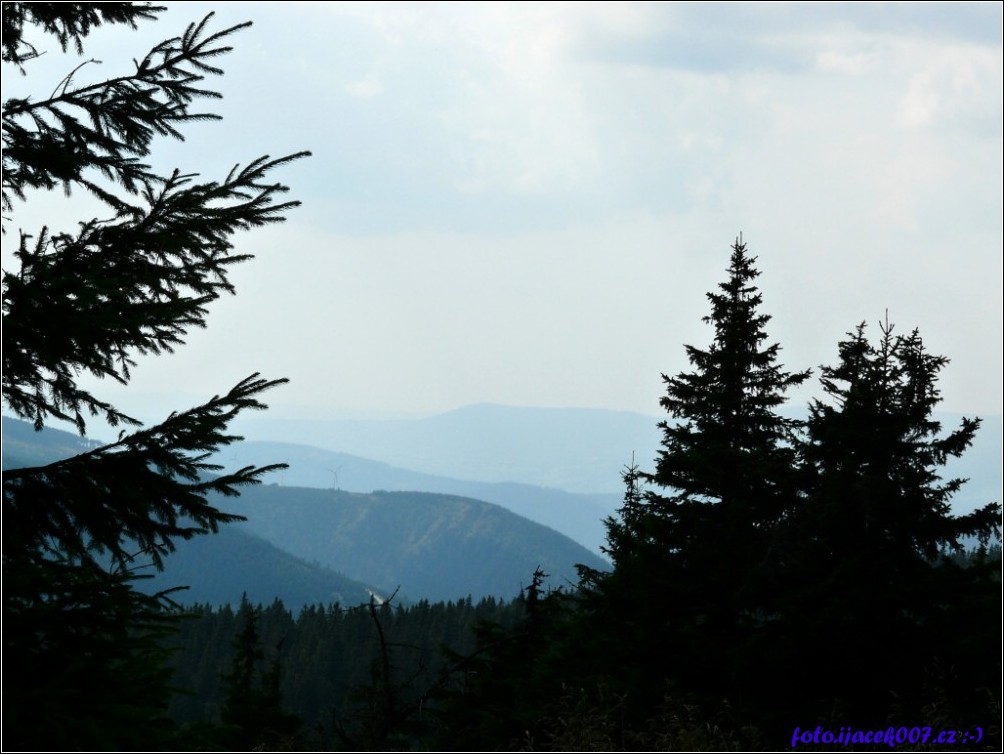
87,301
692,545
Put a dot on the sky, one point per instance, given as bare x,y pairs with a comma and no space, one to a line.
526,203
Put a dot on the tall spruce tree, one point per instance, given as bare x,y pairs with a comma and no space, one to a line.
874,600
693,547
88,301
252,706
875,450
727,455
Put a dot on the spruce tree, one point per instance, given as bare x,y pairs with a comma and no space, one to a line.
874,599
252,704
727,456
649,654
88,300
875,450
694,546
725,443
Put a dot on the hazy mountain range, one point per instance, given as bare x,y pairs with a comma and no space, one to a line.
574,449
325,545
576,515
427,545
469,502
581,451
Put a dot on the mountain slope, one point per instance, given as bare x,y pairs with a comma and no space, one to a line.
431,546
578,516
438,547
219,568
23,446
384,560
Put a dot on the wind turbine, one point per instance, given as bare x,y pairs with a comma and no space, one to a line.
334,478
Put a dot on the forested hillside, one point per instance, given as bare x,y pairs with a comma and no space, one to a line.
217,570
429,546
308,546
576,515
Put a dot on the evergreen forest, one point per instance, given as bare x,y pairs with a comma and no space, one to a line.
776,582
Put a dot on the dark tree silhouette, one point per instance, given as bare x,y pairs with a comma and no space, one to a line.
87,301
252,703
874,598
693,553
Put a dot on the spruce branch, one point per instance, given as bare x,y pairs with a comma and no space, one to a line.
144,490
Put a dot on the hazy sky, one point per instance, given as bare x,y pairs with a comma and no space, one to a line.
526,203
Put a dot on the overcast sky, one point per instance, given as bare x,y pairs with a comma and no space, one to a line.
527,203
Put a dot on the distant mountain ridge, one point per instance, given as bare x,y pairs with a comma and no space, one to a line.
578,516
439,547
497,440
576,449
580,451
297,542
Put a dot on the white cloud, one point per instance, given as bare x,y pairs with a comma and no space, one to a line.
365,88
951,81
854,64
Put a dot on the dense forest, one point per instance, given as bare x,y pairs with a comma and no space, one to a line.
775,582
384,677
363,676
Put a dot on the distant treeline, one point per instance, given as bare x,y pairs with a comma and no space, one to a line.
330,661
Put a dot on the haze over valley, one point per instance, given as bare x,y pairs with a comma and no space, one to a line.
373,506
